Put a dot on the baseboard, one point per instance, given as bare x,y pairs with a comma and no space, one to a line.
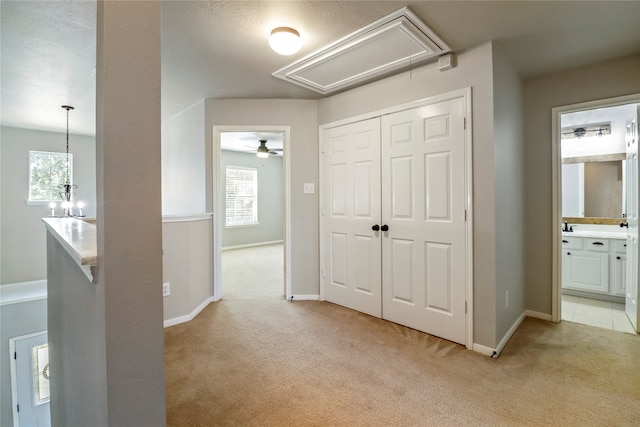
509,334
253,245
304,298
15,293
479,348
188,317
538,315
512,330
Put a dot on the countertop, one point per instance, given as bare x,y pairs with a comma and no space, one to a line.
77,235
596,234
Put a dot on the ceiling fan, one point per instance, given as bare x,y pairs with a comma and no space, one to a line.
264,151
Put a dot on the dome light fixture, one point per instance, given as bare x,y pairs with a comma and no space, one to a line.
285,40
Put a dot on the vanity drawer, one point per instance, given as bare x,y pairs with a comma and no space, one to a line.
571,242
619,246
596,245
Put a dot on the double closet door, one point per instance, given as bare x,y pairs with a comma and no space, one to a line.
394,218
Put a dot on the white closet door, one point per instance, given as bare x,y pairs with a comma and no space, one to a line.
351,207
633,194
423,204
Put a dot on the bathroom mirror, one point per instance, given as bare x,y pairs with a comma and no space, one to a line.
593,187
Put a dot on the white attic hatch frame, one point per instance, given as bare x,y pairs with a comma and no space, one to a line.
393,43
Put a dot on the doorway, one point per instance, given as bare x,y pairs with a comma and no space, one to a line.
251,249
592,270
30,380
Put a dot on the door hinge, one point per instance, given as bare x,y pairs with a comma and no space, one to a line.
18,407
465,307
465,215
464,120
15,355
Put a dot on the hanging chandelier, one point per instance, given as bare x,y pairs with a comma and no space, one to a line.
68,190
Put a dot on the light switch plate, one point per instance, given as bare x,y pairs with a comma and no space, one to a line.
309,188
166,289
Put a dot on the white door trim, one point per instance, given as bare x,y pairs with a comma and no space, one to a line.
465,93
14,375
556,190
219,204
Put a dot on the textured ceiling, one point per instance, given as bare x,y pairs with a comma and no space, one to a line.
216,49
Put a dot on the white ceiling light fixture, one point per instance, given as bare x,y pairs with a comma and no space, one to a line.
285,40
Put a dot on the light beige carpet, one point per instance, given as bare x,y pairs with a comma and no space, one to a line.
256,272
269,362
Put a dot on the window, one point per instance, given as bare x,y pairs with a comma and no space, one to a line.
241,196
46,172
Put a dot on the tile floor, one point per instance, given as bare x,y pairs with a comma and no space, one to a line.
593,312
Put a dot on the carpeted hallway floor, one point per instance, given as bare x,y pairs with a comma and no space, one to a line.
270,362
255,272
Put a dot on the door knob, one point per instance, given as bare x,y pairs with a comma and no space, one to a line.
384,228
624,224
375,227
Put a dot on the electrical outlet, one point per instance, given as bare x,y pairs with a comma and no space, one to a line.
309,188
166,289
506,299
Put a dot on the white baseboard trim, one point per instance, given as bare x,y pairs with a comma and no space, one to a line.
188,317
479,348
253,245
512,330
15,293
509,334
538,315
304,298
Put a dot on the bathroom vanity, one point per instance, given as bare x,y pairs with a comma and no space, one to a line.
594,262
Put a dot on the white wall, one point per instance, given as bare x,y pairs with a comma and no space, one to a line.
510,197
474,69
301,116
23,234
183,162
270,200
604,80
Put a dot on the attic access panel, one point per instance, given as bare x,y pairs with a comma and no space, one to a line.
395,42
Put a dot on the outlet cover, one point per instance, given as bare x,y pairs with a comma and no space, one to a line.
166,289
309,188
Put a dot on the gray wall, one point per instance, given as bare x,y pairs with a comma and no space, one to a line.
16,320
301,116
77,347
183,162
474,69
510,197
186,265
23,236
605,80
270,200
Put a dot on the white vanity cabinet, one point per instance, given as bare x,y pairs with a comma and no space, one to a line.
618,263
593,265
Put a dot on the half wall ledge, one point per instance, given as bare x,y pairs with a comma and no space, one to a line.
79,238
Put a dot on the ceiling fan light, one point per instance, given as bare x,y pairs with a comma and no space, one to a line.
285,40
262,155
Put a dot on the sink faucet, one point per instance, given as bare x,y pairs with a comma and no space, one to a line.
567,227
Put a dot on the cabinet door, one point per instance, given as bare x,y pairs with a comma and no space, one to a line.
589,271
618,274
566,268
